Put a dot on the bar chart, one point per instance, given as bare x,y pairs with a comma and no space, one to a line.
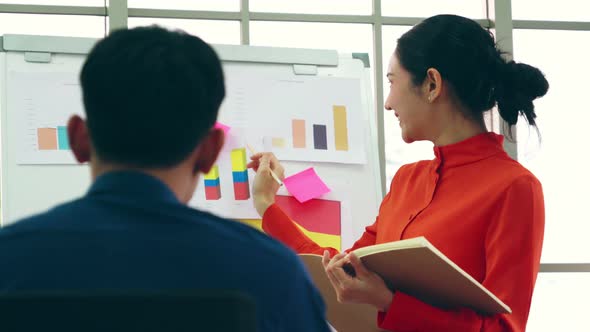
53,138
319,132
322,122
42,103
240,174
225,188
212,184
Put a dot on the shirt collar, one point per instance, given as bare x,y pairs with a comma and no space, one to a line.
132,184
473,149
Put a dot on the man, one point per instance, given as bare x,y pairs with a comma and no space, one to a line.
151,98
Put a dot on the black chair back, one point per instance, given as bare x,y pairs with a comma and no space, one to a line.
127,311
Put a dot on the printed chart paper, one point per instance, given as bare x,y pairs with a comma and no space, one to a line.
226,189
43,103
297,118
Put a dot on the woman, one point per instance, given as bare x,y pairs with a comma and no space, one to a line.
478,206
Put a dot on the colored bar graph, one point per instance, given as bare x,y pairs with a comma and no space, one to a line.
298,127
240,174
340,128
47,138
320,141
212,184
278,142
62,138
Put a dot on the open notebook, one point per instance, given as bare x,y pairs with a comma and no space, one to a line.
417,268
413,266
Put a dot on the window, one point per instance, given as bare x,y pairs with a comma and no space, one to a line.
339,36
53,25
560,303
213,5
214,32
424,8
563,10
350,7
560,159
90,3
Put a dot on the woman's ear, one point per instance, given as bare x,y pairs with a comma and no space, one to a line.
432,84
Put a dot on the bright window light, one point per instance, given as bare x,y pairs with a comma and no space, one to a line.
424,8
52,25
560,160
563,10
213,32
343,7
213,5
560,303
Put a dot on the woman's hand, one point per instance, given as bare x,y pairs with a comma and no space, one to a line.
364,287
265,186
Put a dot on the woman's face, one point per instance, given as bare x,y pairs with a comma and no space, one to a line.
409,102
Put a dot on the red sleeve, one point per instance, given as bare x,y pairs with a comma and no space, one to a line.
278,225
513,252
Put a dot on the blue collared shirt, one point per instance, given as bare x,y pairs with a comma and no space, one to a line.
131,232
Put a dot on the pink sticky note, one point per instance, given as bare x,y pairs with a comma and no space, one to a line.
306,185
223,127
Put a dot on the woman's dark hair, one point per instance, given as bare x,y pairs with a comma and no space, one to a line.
466,56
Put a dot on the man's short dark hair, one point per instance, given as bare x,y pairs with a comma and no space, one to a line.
150,95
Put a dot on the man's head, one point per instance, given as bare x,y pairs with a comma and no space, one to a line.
151,97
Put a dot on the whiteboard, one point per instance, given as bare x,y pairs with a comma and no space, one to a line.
32,188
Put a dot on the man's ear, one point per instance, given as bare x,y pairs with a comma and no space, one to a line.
79,138
208,150
432,84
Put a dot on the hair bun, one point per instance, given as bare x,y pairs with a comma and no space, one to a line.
518,85
526,79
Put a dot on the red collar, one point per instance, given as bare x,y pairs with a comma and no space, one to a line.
470,150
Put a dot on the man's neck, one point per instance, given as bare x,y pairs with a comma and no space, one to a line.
179,179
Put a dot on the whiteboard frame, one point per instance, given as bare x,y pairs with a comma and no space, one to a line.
239,53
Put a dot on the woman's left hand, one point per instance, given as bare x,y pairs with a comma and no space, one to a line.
365,287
